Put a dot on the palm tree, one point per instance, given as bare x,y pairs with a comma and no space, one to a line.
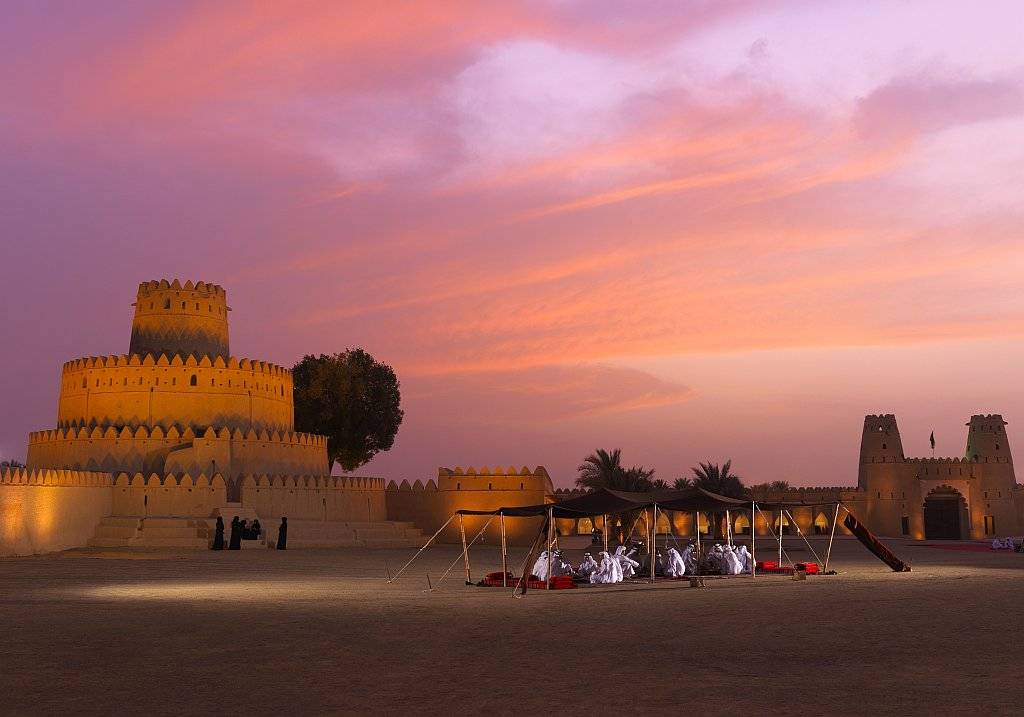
600,469
603,469
682,483
659,485
711,477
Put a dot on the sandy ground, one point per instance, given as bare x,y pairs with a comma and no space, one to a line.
301,632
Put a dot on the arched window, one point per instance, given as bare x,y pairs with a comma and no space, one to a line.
167,303
193,381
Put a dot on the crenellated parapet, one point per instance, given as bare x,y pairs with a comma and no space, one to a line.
47,476
179,449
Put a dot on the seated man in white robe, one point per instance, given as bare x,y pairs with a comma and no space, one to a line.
608,571
540,567
588,567
731,564
626,563
675,566
744,556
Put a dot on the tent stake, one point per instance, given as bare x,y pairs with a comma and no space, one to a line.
504,554
465,550
835,519
429,541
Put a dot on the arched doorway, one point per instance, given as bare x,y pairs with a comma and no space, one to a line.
942,510
742,526
821,524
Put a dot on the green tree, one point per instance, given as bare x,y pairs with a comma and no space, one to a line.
352,399
600,469
682,483
11,464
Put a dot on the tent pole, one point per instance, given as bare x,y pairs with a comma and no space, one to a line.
551,533
524,578
802,536
753,539
465,549
696,527
780,537
470,544
504,553
835,519
728,529
654,538
425,545
604,530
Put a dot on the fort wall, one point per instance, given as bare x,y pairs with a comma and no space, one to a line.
178,450
428,506
45,511
160,391
326,498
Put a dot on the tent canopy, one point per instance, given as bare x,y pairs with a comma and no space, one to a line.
605,501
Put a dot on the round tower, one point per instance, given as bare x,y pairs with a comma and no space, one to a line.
175,319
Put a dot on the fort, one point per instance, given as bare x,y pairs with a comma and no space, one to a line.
151,446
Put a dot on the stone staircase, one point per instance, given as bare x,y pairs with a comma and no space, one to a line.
120,532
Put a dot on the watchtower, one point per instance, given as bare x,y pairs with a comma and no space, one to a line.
880,442
986,439
175,319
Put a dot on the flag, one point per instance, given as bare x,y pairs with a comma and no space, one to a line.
932,440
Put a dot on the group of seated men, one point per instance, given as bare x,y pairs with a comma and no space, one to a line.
1007,544
614,568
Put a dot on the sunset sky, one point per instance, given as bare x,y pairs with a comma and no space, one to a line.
690,230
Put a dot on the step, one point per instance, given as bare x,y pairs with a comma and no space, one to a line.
172,542
388,543
116,531
111,542
115,520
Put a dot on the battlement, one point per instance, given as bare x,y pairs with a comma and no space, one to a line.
498,471
147,288
416,486
175,433
47,476
175,360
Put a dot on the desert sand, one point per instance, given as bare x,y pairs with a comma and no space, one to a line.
312,631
